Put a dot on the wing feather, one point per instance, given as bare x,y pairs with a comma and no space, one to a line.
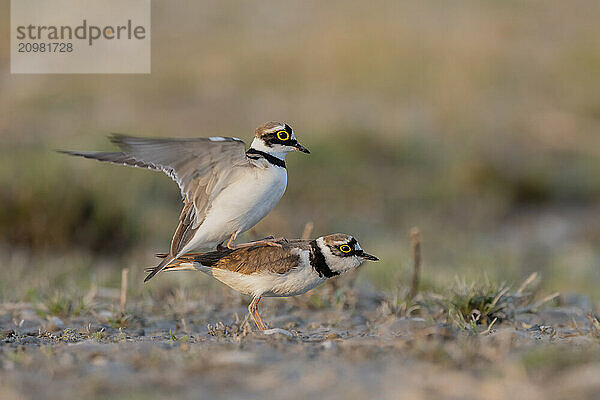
254,259
199,166
192,163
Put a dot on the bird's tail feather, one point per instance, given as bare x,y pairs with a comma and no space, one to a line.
155,270
176,266
169,263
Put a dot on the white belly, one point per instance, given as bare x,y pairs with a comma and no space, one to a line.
269,284
248,198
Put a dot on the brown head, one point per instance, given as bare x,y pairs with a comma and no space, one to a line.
342,252
276,137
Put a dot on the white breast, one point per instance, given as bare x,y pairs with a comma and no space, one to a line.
250,195
267,284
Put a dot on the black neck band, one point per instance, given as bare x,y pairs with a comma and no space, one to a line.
272,159
318,262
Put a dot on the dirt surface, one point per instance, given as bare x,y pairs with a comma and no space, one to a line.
357,349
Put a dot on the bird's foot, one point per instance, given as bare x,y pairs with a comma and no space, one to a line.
269,241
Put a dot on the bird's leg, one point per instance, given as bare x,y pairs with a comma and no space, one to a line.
253,309
230,244
268,241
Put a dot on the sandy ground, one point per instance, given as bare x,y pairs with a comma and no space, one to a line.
199,350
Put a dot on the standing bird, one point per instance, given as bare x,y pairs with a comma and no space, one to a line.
293,268
226,190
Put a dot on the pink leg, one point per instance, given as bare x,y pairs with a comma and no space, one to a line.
264,242
253,309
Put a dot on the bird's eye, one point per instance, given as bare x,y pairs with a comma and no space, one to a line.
283,135
345,248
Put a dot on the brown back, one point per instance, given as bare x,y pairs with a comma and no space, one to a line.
255,259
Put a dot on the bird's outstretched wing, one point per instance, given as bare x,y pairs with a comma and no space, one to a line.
200,167
186,161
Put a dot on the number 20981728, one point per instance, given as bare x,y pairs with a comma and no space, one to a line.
49,47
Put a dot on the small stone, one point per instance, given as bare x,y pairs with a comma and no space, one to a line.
274,331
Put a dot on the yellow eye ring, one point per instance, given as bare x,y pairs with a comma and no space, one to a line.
345,248
283,135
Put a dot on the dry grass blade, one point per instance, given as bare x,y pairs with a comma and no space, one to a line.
415,239
308,229
501,293
489,328
124,274
594,325
540,303
526,283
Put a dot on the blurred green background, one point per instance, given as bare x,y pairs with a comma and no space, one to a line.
476,121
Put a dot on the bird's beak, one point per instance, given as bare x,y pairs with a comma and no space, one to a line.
367,256
301,148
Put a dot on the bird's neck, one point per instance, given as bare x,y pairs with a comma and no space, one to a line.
259,145
318,260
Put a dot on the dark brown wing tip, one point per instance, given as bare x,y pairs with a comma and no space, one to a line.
70,152
166,261
153,271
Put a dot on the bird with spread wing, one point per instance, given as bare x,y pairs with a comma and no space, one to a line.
226,190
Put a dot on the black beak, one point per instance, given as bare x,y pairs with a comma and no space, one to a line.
301,148
367,256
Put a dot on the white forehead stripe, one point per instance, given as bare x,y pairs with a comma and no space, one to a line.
275,129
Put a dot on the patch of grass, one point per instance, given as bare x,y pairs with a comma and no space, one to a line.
219,329
472,305
119,321
402,304
182,339
594,325
70,335
240,327
99,335
61,306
